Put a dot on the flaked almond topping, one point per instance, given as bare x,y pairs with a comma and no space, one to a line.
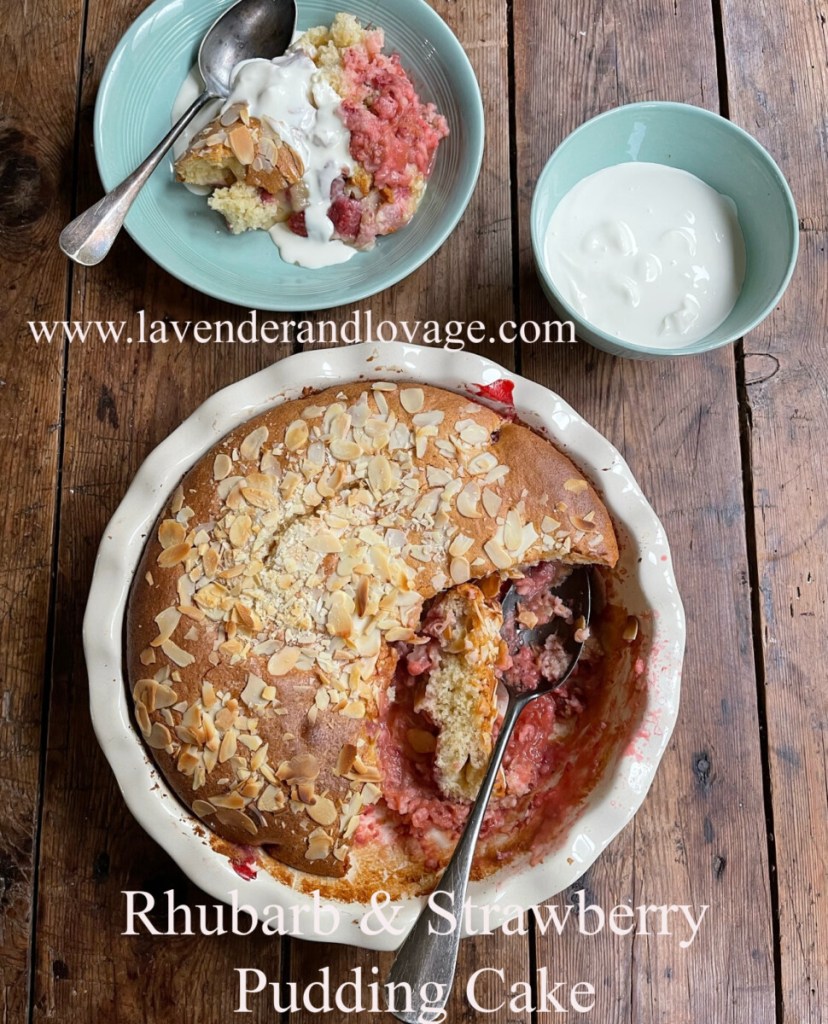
498,554
296,435
549,525
306,793
259,758
630,629
203,809
575,486
147,656
251,446
167,621
272,799
340,615
412,399
229,801
473,433
251,695
482,463
345,761
467,501
491,503
240,531
361,597
143,719
319,845
176,654
421,742
344,451
380,475
460,545
177,500
237,819
222,466
460,570
173,555
170,533
582,524
325,543
512,530
283,661
241,142
322,811
383,385
159,736
301,768
354,709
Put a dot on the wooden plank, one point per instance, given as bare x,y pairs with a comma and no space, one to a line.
36,142
700,836
778,92
470,278
120,403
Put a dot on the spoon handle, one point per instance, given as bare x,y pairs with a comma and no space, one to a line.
89,237
429,956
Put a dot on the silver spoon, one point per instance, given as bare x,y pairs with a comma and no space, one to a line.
427,957
250,28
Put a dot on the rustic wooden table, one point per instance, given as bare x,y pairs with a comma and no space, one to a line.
729,447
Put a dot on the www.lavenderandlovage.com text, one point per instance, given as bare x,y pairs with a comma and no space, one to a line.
255,329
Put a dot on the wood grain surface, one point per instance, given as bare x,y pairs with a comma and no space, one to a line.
736,818
37,117
676,423
778,95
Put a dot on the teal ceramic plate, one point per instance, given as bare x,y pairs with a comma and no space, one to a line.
186,238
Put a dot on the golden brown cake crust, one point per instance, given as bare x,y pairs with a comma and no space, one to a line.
286,564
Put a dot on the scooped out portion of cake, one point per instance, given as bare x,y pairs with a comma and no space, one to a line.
327,147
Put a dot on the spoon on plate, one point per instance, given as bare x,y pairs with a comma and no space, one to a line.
427,957
250,28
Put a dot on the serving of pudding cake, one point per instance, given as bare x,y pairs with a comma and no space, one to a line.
328,147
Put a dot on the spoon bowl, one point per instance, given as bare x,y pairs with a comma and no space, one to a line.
429,953
248,29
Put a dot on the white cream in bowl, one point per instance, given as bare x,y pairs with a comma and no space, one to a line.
648,253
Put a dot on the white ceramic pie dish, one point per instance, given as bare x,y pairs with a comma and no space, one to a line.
647,589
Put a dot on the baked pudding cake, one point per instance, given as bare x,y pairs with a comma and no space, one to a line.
315,637
330,143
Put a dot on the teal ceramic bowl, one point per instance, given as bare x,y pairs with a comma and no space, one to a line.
715,150
179,231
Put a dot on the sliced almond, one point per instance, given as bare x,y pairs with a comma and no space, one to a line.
460,570
322,811
325,543
222,466
176,654
513,530
380,475
240,531
345,761
241,142
344,451
167,621
173,555
283,661
296,435
498,554
467,501
170,533
251,446
159,736
272,799
412,399
575,486
491,502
